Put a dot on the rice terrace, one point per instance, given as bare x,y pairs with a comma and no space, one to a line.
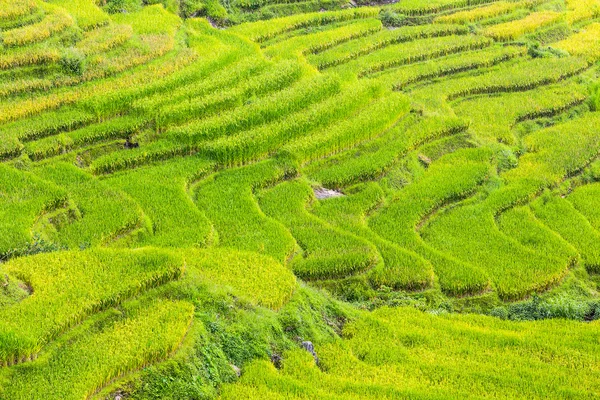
299,199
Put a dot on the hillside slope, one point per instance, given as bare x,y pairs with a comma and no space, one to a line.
189,190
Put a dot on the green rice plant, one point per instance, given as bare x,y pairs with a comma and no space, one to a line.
399,268
411,52
447,180
119,96
492,118
255,143
584,199
510,77
23,198
425,7
104,212
76,68
298,46
302,94
116,343
446,356
327,252
274,79
261,31
121,160
55,21
480,13
45,124
114,95
367,124
10,147
297,7
372,159
105,38
195,136
153,19
470,232
227,200
120,127
584,43
161,192
401,77
356,48
86,13
562,217
70,286
514,29
259,278
229,76
521,224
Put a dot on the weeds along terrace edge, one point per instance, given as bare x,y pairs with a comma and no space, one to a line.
159,213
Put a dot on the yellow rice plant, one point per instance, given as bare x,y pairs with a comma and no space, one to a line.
580,10
24,57
56,21
104,39
585,43
11,9
513,29
477,14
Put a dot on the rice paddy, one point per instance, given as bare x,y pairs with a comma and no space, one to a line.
299,199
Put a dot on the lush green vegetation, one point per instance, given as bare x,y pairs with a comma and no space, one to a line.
193,193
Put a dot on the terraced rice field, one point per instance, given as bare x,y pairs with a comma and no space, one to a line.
192,191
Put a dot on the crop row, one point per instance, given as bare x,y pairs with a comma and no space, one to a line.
87,14
161,193
100,214
98,66
585,43
327,251
228,201
55,21
398,268
371,160
263,30
412,52
258,142
521,76
403,344
121,127
368,123
103,349
23,197
402,77
274,79
264,110
581,10
360,47
103,39
69,286
559,215
426,7
492,118
513,29
477,14
449,179
518,271
14,9
297,8
320,41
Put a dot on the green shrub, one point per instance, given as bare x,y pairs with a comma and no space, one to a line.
73,62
